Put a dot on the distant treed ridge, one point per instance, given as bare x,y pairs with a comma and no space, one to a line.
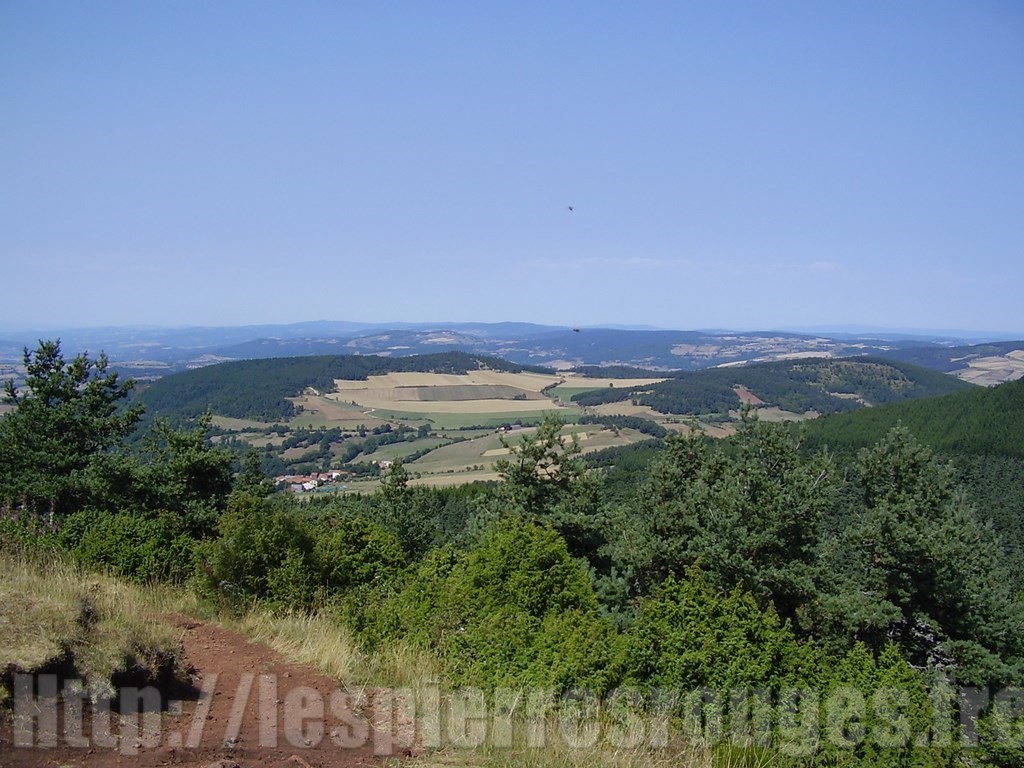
825,385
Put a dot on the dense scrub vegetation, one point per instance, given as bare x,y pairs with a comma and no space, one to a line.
846,595
821,385
259,389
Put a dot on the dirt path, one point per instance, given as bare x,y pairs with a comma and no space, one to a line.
246,707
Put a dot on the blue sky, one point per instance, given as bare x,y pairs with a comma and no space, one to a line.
729,164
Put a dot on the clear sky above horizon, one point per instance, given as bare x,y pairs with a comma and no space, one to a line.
736,164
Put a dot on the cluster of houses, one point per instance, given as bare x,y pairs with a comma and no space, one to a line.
299,483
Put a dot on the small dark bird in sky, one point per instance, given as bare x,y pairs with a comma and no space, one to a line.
570,207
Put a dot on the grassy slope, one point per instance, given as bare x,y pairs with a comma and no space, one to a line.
54,617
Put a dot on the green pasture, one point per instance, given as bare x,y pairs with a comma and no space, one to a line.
457,456
403,449
443,421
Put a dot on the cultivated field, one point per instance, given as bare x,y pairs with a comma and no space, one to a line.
453,400
462,412
459,419
326,411
534,382
589,383
776,414
989,371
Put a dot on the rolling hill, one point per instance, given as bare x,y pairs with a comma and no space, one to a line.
259,389
822,385
987,364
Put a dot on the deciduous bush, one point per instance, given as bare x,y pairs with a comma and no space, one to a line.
137,546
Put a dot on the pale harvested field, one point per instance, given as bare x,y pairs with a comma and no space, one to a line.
989,371
297,452
492,419
484,451
532,382
718,430
438,394
320,409
460,406
497,452
626,408
457,478
423,394
599,383
608,439
682,427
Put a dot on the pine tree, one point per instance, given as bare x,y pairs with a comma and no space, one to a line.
66,419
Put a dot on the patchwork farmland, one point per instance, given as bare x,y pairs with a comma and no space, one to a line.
451,425
446,417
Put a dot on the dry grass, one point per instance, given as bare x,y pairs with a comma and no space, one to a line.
53,616
324,643
312,640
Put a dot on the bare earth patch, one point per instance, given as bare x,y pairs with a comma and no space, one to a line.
246,707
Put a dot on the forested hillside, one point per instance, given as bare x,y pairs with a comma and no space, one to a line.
980,430
258,389
822,385
983,421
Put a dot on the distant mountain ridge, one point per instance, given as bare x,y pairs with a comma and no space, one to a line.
149,353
